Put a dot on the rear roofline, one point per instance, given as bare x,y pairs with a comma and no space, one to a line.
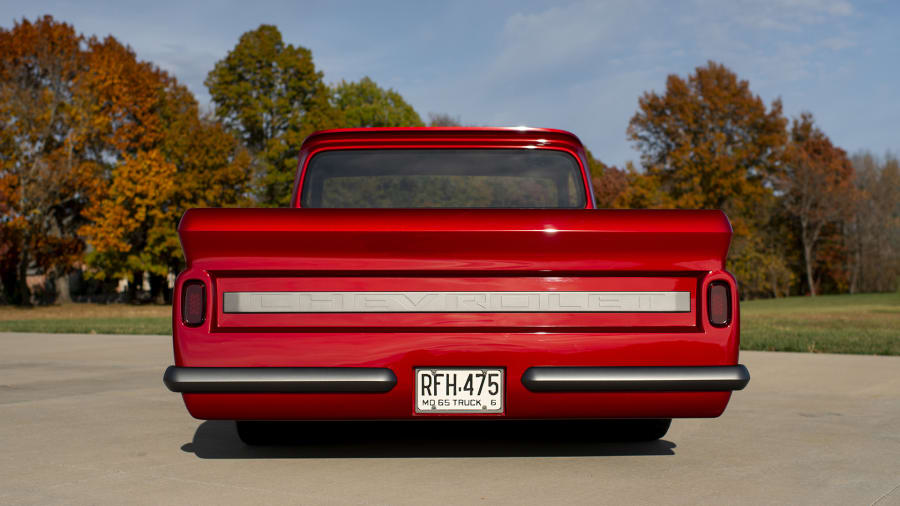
442,137
430,132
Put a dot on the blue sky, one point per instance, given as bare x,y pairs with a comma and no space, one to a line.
580,66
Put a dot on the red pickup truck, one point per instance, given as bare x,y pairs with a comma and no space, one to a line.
426,273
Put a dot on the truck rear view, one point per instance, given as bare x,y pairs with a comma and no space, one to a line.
463,273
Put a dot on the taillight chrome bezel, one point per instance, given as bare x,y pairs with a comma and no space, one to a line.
185,303
729,316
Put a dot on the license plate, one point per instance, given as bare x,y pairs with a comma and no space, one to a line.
459,390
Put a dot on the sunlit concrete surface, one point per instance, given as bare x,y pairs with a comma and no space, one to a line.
85,419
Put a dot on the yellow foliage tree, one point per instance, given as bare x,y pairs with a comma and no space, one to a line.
127,214
152,125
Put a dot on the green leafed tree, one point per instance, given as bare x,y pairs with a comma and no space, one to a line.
270,93
365,104
442,119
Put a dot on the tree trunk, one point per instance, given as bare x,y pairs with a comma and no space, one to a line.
158,289
137,279
807,257
63,291
10,281
774,281
22,294
854,271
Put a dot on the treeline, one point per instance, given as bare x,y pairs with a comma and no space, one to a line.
807,218
101,153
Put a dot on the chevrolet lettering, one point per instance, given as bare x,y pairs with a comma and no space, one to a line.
454,302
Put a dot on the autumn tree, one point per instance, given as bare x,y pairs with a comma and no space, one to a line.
93,142
817,185
607,182
214,169
132,206
708,142
167,159
46,165
712,143
365,104
271,95
625,188
129,98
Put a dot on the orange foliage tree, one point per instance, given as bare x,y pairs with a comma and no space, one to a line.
708,142
818,193
169,158
131,209
47,171
102,150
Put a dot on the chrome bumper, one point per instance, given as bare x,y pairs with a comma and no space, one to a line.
636,379
279,379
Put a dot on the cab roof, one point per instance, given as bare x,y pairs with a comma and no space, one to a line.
520,133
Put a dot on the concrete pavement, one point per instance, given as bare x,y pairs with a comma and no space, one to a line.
85,419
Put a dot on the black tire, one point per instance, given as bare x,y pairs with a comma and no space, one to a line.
255,433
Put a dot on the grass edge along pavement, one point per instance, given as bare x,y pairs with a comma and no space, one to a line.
855,324
867,324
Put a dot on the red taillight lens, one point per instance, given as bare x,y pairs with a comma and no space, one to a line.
193,303
719,303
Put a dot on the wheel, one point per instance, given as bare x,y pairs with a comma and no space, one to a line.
255,433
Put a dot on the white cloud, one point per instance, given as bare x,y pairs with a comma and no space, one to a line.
832,7
778,15
558,37
838,43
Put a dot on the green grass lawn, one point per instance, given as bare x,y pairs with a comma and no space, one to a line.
88,319
90,326
861,324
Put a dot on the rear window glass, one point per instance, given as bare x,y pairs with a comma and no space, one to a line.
448,178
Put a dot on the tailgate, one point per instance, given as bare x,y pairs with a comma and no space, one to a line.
472,270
